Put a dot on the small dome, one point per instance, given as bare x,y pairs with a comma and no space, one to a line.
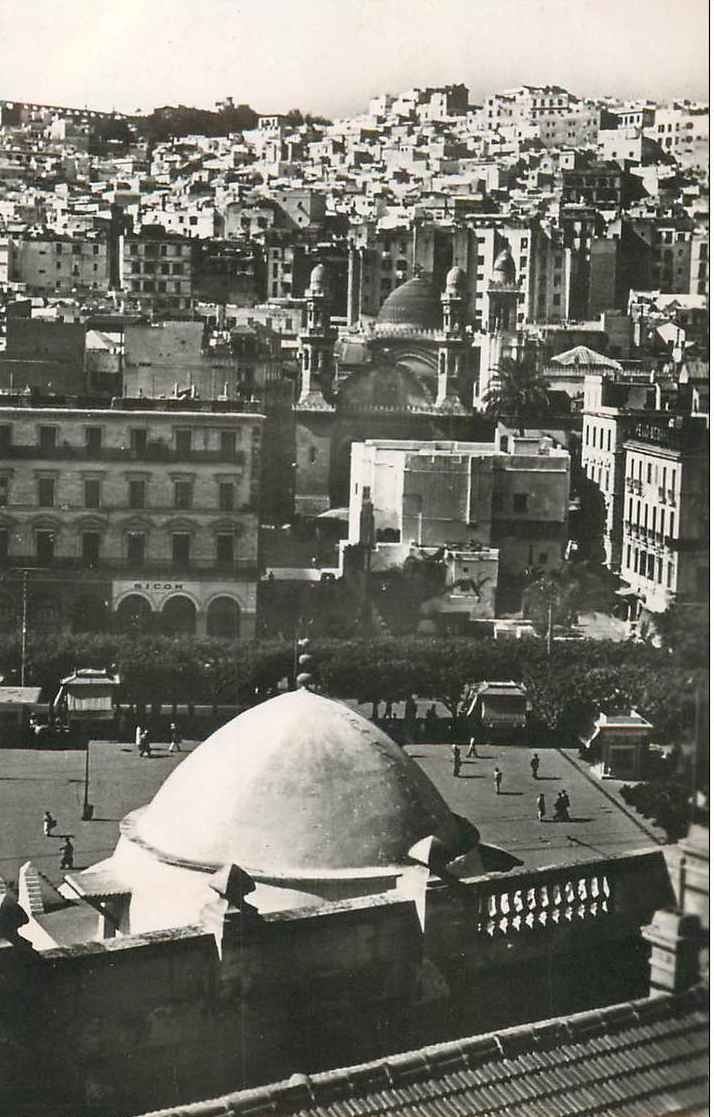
415,303
319,278
455,279
504,269
297,786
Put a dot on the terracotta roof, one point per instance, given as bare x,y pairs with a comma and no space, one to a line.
646,1058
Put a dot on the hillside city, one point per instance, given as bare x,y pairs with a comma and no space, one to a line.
355,472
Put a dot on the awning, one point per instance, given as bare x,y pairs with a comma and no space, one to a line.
341,514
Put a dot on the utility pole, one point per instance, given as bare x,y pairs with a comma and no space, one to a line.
23,644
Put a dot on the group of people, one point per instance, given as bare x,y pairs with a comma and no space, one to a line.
561,807
143,740
49,825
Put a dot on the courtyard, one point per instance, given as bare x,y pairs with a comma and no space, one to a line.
32,781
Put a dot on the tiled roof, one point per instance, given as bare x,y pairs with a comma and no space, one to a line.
646,1058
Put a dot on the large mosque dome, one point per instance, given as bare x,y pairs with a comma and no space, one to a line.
415,303
298,787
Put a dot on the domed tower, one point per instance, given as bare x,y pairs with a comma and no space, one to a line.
317,341
452,346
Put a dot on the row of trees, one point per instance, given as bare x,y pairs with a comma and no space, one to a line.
565,687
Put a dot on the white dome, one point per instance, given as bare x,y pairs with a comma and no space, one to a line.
299,786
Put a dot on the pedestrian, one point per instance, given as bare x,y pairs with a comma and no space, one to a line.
472,750
67,852
497,779
145,749
410,713
138,735
48,824
535,765
540,803
174,738
456,753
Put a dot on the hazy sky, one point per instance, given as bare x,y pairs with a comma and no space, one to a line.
330,56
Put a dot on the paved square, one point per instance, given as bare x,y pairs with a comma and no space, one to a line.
32,781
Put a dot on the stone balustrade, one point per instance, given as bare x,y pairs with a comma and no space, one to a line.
554,897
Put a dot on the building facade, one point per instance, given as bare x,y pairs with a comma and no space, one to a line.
666,518
158,272
144,517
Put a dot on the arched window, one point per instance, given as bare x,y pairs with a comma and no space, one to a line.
223,619
178,616
134,614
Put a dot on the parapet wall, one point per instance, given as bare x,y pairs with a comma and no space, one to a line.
136,1023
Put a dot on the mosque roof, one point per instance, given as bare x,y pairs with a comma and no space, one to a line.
295,787
582,355
504,269
415,303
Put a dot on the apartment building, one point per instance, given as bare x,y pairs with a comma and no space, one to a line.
666,514
143,515
157,270
60,265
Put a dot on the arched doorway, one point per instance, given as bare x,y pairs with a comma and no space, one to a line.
178,616
133,614
223,619
89,614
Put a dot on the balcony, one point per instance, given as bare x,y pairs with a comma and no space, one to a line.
108,569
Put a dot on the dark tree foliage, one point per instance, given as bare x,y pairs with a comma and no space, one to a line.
520,393
666,804
684,631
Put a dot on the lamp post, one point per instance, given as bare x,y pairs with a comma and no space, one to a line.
23,639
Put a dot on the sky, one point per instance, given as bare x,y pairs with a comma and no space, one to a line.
331,56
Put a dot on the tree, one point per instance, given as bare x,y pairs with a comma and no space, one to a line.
684,632
519,393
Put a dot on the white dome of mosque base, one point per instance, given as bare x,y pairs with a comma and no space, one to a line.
298,788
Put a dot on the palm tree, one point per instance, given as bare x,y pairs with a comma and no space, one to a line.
518,392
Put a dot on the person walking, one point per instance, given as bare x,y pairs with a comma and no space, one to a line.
138,734
67,852
535,765
48,824
145,748
456,753
540,804
497,780
174,738
472,750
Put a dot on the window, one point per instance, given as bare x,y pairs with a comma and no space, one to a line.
649,473
225,548
91,494
182,494
602,437
609,440
183,441
181,549
671,524
226,496
46,492
670,575
228,444
629,556
138,440
93,437
90,548
136,548
48,438
659,571
520,502
45,543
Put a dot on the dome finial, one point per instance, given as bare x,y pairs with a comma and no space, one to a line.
304,679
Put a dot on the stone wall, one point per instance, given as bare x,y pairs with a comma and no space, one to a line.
132,1024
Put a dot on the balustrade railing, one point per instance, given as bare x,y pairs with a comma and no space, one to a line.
559,898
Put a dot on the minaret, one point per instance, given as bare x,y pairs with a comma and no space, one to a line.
316,342
502,306
452,346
